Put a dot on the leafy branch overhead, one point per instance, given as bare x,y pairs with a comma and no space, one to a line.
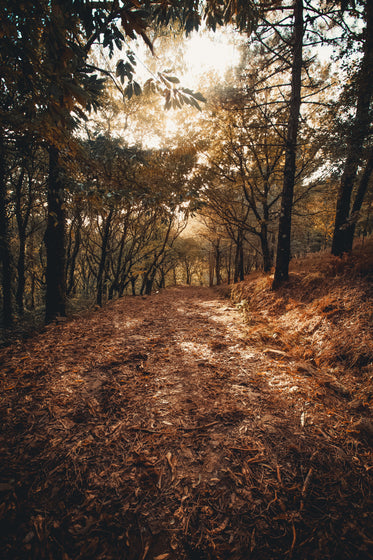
126,69
163,84
175,95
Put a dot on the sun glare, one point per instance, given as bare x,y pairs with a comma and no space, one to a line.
206,55
211,52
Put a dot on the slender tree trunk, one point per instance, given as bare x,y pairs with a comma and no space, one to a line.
187,271
284,231
241,267
162,282
148,286
22,222
101,267
55,240
211,269
133,284
115,284
359,198
342,241
266,254
32,292
229,269
238,259
218,262
31,251
5,252
21,272
125,278
71,287
150,282
158,259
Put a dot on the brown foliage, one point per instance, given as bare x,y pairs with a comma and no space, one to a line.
323,313
152,429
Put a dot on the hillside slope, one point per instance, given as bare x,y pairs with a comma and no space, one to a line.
323,316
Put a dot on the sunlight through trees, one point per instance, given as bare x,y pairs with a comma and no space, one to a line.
106,156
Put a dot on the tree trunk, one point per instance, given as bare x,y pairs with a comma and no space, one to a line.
5,253
150,281
238,259
342,241
266,253
21,272
218,262
359,198
22,223
71,285
211,269
187,271
101,267
31,251
284,230
241,266
133,284
162,282
115,284
149,286
229,269
55,241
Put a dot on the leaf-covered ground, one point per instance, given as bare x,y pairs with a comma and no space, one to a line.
160,428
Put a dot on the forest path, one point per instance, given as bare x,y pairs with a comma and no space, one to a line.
149,429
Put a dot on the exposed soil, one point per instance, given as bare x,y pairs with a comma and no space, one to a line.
155,429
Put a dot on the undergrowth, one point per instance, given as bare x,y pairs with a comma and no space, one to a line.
323,314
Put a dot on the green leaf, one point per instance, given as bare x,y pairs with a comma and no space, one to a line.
131,57
128,92
173,79
195,104
186,90
199,96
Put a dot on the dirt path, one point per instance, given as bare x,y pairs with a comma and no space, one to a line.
151,430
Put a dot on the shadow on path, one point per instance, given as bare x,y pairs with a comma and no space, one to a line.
150,430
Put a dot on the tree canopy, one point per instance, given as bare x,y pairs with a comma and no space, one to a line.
105,155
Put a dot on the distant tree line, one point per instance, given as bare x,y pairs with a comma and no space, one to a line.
97,216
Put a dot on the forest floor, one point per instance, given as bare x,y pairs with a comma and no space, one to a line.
179,426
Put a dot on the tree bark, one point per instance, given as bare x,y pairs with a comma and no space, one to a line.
211,268
116,283
101,268
284,231
266,253
5,252
133,284
229,268
187,271
71,286
149,276
55,241
22,222
359,198
239,273
342,241
21,273
217,262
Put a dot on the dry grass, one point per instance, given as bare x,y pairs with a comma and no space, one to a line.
323,314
